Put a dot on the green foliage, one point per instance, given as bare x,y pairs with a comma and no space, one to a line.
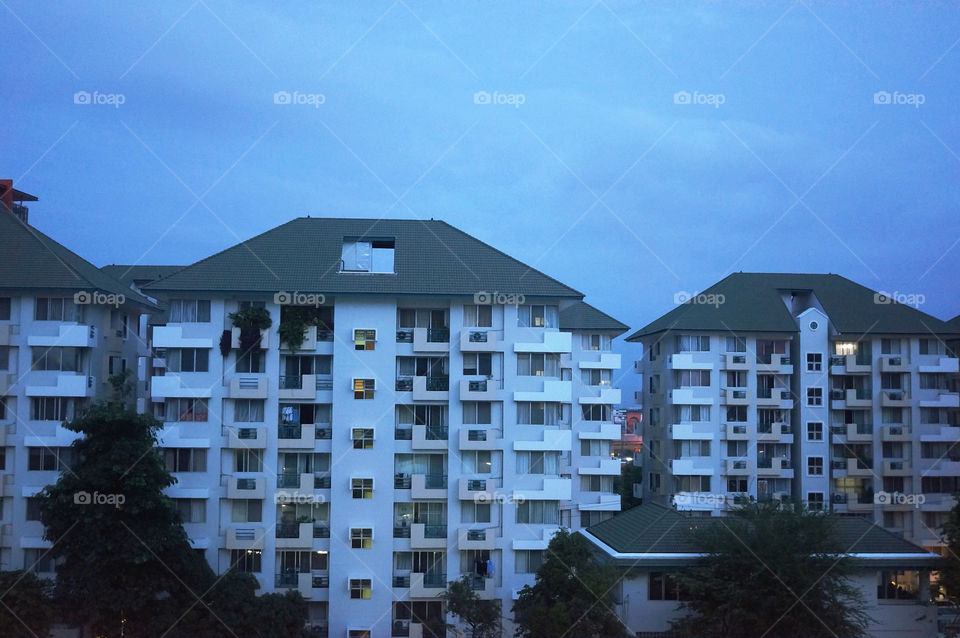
572,595
122,384
785,554
623,485
251,320
481,616
294,320
948,579
26,609
226,343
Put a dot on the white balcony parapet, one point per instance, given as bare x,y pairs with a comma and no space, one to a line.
603,502
190,336
606,361
552,342
553,391
65,385
554,489
171,385
692,465
691,361
559,440
481,340
535,543
244,537
599,394
693,431
64,335
604,431
605,467
943,400
235,338
692,396
172,436
944,365
249,386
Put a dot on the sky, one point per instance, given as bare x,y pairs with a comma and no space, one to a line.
634,151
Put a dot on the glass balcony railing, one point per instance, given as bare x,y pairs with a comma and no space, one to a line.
438,384
289,431
438,335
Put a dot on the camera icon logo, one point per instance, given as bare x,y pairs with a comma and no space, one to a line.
81,97
82,498
282,298
881,298
481,97
82,298
681,97
281,97
482,298
881,97
882,498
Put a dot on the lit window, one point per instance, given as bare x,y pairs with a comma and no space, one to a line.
363,388
362,487
365,339
361,537
362,438
360,588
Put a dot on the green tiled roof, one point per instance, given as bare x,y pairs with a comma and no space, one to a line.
752,302
654,529
431,258
583,316
34,261
139,274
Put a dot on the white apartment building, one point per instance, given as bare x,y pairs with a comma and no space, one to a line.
65,328
447,410
803,387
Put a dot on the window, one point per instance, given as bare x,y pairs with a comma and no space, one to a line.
684,448
478,316
595,377
360,588
528,561
186,409
595,342
653,416
247,510
736,344
596,483
358,633
248,410
51,408
367,255
248,460
533,364
364,339
192,510
927,346
472,512
737,449
815,501
530,413
737,485
890,346
250,362
477,461
538,512
362,487
654,384
246,560
815,465
189,311
363,388
3,408
814,431
476,412
38,561
57,309
537,462
814,396
361,537
594,447
691,413
33,507
692,343
654,351
903,585
665,586
58,359
537,316
814,362
185,459
692,378
362,438
4,308
44,459
477,363
188,360
737,413
596,412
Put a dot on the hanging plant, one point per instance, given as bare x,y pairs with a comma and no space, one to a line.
251,321
226,343
294,322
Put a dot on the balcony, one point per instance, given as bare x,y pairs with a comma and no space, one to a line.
172,385
235,338
423,536
593,394
851,468
896,363
690,361
312,335
553,489
485,588
850,398
600,361
468,539
428,486
428,585
603,430
478,490
481,340
294,536
7,332
244,537
775,467
734,396
602,467
481,390
431,339
949,466
553,391
936,364
776,363
247,438
64,335
940,399
248,386
775,432
550,440
897,467
322,431
894,399
552,342
599,502
848,364
431,388
738,467
852,432
296,482
296,437
934,433
196,335
735,361
737,431
692,431
692,465
480,439
246,488
300,386
56,384
852,501
430,437
300,581
775,398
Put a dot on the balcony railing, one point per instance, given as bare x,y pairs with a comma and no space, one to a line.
403,433
401,531
437,432
324,335
438,335
478,336
320,582
324,383
288,530
401,481
477,535
323,432
438,384
321,481
247,433
286,579
401,581
476,485
288,480
405,335
288,431
404,384
476,435
291,382
434,531
435,481
321,530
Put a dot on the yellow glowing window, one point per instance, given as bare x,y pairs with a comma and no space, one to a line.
364,339
362,487
361,538
363,388
360,588
362,438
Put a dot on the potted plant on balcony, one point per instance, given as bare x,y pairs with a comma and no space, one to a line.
250,320
294,322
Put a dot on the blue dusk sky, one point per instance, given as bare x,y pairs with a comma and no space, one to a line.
631,150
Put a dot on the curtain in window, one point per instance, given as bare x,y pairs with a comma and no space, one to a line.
550,462
523,462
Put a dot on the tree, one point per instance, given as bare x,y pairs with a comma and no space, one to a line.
481,616
791,556
122,554
26,608
572,594
623,485
948,579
